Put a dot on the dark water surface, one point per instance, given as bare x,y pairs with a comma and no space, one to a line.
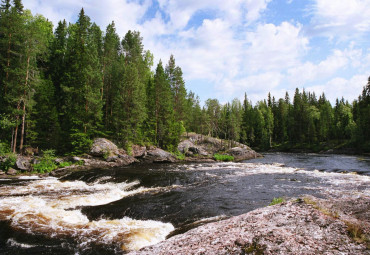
108,211
322,162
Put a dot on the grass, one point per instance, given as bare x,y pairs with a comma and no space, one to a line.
179,155
277,200
356,232
221,157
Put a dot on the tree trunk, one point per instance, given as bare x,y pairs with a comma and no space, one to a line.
16,129
23,124
24,102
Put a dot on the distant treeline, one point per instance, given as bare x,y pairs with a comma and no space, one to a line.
305,122
59,90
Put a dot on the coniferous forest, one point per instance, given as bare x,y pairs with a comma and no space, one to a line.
61,88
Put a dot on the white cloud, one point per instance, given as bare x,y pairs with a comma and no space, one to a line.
275,47
339,87
232,48
254,8
341,18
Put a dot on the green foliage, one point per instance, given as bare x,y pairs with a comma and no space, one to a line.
179,155
64,164
221,157
81,143
62,90
9,162
276,201
47,163
4,148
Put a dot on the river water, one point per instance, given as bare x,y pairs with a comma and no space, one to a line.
117,210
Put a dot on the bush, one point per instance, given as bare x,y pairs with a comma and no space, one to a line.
179,155
4,148
277,200
81,143
47,163
221,157
9,162
65,164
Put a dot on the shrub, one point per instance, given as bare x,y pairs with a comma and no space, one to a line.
47,163
65,164
277,200
221,157
179,155
9,162
4,148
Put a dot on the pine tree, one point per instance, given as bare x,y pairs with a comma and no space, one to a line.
82,84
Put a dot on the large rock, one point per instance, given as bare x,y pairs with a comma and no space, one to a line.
138,151
189,148
23,163
103,148
240,153
11,171
295,227
158,155
124,160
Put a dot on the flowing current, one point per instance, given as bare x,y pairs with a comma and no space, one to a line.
117,210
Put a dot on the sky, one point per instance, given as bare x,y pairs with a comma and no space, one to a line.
230,47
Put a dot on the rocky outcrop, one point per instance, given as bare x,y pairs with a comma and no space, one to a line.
11,171
103,148
240,153
157,155
200,146
190,149
295,227
23,163
138,151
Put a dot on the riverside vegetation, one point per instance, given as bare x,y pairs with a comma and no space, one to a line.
60,90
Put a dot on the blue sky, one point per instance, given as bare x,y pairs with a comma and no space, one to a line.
228,48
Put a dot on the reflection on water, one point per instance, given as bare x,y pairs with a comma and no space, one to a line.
107,211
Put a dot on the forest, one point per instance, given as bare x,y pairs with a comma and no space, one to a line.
61,88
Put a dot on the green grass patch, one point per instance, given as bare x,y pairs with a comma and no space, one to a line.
65,164
277,200
179,155
221,157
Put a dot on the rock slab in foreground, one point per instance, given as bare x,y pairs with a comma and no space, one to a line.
289,228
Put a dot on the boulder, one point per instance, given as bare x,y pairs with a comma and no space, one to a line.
138,151
124,160
23,163
2,172
59,172
240,153
76,159
103,148
158,155
30,151
112,159
11,171
189,148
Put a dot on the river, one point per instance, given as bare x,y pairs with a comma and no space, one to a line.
117,210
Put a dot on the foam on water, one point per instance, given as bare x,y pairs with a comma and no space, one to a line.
49,207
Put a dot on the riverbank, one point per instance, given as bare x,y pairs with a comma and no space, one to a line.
330,147
105,154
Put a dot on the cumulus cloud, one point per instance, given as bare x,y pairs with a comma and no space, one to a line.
343,18
232,49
